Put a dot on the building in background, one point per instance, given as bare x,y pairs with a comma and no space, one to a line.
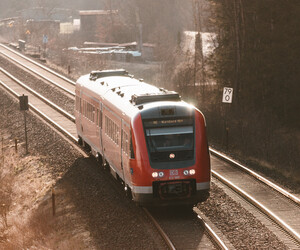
96,25
42,14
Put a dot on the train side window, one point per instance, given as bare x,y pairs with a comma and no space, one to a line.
109,127
93,113
112,132
131,150
83,105
90,111
100,122
124,142
80,108
99,118
85,109
117,134
105,124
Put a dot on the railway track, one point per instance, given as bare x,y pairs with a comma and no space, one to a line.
183,229
40,105
280,206
66,85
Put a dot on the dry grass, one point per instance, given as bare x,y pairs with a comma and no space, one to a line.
26,220
6,178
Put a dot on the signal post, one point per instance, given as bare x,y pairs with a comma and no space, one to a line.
23,107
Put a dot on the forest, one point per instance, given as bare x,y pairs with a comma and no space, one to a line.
257,54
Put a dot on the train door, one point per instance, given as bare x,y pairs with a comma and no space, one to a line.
97,122
78,107
101,128
121,149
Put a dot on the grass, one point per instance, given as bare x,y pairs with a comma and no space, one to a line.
26,220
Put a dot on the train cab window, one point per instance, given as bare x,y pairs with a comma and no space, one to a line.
170,140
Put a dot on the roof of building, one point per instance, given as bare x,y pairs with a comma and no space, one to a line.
97,12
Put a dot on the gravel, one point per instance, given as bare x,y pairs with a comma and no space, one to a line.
239,226
50,92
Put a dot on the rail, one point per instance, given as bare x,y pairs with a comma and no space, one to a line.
255,175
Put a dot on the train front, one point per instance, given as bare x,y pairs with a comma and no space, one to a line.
171,163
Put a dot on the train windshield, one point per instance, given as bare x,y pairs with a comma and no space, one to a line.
170,143
164,139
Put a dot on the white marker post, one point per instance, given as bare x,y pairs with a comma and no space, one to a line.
227,95
227,98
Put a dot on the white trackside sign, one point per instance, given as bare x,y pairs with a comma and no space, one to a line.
227,95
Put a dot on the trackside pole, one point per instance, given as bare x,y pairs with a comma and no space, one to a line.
25,124
23,107
53,202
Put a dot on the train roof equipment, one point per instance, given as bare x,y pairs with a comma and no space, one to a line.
131,91
94,75
154,97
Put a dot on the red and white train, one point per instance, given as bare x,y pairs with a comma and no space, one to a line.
152,141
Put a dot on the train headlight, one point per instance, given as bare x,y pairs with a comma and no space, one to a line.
158,174
192,171
154,174
189,172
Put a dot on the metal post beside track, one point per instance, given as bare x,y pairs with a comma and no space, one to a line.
23,107
2,151
26,140
53,202
16,145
